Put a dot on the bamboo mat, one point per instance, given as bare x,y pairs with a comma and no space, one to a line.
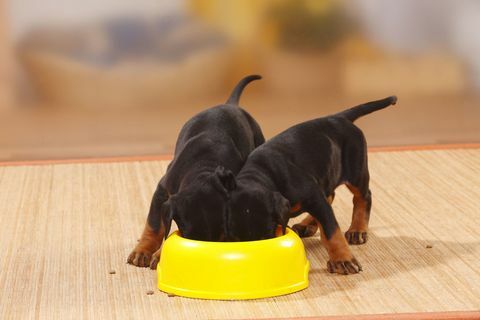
64,227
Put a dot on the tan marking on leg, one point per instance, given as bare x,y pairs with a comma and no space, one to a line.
307,227
337,246
150,242
155,259
330,200
341,260
296,207
357,233
309,221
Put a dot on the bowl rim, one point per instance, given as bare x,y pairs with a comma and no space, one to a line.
288,234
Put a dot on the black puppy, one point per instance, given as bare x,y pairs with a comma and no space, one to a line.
210,149
297,171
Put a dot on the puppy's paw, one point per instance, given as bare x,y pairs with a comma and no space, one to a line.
140,258
344,267
304,231
155,259
356,237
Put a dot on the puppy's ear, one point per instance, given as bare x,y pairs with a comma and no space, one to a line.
225,179
281,208
166,212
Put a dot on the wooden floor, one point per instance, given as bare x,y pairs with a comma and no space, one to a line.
65,228
43,132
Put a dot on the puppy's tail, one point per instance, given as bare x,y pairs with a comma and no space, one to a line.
237,91
361,110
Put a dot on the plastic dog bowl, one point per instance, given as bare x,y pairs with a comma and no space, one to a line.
233,270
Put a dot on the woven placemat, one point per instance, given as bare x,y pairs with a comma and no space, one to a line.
66,230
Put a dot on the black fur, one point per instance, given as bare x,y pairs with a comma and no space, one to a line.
302,165
211,148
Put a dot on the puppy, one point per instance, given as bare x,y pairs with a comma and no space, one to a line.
297,171
210,149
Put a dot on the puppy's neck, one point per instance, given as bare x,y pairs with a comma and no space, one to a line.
255,176
195,177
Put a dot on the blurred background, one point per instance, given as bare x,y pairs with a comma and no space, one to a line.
98,78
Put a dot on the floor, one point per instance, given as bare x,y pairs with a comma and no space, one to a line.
66,230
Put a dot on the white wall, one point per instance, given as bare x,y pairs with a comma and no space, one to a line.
425,25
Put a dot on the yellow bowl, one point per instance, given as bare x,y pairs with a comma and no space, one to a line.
233,270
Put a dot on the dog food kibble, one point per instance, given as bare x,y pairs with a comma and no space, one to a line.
429,246
150,292
112,272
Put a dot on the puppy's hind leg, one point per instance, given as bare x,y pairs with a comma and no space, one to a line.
362,203
357,181
153,233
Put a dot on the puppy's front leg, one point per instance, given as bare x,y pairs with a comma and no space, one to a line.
152,236
341,259
309,225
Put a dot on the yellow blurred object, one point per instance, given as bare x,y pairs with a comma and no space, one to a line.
240,19
244,24
318,6
233,270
